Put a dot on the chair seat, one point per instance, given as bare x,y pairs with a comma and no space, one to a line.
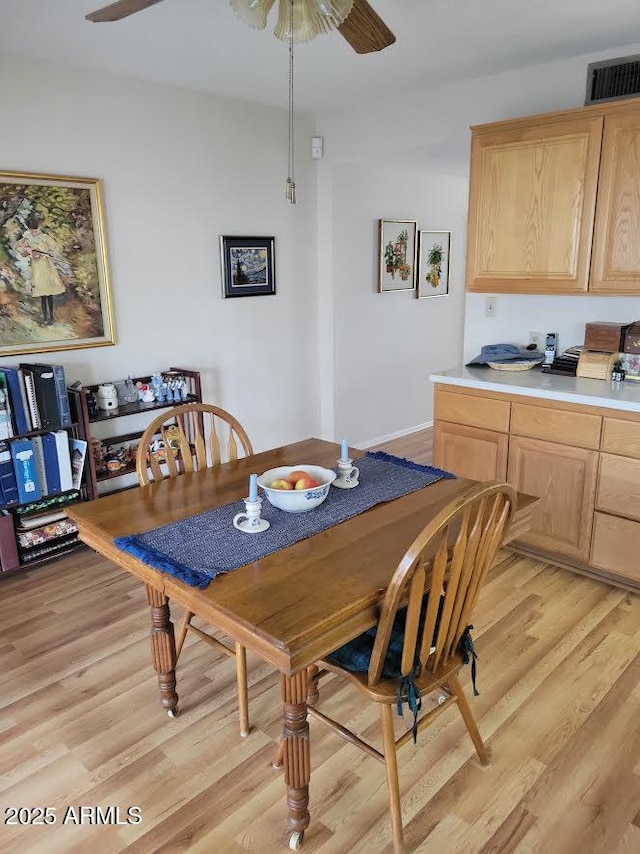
353,658
356,654
386,690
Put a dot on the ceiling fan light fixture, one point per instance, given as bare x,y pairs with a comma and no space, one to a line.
253,12
311,18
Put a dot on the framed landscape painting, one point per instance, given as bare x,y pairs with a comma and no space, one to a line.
433,264
397,254
248,266
54,282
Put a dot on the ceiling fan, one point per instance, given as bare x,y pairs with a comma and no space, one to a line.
355,20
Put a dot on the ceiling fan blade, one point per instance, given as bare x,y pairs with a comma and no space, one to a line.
365,30
118,11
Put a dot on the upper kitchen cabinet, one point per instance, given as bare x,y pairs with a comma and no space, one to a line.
615,266
532,203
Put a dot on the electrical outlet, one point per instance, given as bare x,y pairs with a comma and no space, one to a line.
536,338
490,307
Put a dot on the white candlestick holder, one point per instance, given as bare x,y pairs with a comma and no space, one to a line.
251,522
348,475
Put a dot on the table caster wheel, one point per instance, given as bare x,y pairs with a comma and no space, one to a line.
295,840
173,713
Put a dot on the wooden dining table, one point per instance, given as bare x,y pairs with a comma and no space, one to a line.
291,607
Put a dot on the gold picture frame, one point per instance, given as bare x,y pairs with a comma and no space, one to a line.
397,254
54,278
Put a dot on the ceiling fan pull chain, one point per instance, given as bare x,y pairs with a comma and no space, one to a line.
291,181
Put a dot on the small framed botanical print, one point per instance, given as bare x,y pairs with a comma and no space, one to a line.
397,254
248,266
433,263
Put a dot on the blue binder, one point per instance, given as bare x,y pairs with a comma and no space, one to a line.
8,487
51,467
14,384
24,466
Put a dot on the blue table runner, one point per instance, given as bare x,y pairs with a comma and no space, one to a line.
197,549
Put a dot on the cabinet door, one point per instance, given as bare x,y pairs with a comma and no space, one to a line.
616,543
616,249
565,478
531,206
470,451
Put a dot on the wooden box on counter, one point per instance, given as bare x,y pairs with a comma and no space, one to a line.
606,337
632,338
596,365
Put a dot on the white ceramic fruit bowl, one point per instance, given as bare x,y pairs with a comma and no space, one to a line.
297,500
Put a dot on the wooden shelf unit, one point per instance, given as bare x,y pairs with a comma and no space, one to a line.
56,546
80,395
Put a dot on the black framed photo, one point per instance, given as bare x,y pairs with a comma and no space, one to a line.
248,266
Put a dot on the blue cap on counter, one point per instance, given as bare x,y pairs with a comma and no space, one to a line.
504,353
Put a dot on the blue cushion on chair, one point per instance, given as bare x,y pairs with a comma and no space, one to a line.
356,654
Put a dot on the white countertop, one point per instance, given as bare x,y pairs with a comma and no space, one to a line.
534,383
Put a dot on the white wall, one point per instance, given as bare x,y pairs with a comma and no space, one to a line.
405,158
179,169
385,343
517,316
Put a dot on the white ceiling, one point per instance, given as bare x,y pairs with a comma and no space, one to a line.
201,44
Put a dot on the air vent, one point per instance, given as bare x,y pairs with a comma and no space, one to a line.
613,79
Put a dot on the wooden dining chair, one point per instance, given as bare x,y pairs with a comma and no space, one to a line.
422,637
188,438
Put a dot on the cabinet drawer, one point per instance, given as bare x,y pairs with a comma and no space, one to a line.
556,425
616,546
473,411
619,487
621,437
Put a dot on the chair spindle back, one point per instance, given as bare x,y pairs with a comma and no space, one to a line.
195,436
448,560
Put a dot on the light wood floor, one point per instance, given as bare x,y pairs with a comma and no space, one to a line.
80,725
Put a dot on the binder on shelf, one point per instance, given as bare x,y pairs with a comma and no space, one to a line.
6,426
64,460
8,486
32,406
8,551
78,451
46,395
17,395
40,466
52,471
24,466
60,382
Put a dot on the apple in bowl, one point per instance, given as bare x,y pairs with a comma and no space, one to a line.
296,489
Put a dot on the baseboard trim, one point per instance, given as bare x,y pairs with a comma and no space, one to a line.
363,446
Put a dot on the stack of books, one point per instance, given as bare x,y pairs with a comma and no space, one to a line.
566,363
44,533
35,398
37,457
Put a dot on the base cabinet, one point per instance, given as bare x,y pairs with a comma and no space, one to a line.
582,460
470,451
566,480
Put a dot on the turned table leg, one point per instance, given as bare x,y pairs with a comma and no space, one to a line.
163,648
295,752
